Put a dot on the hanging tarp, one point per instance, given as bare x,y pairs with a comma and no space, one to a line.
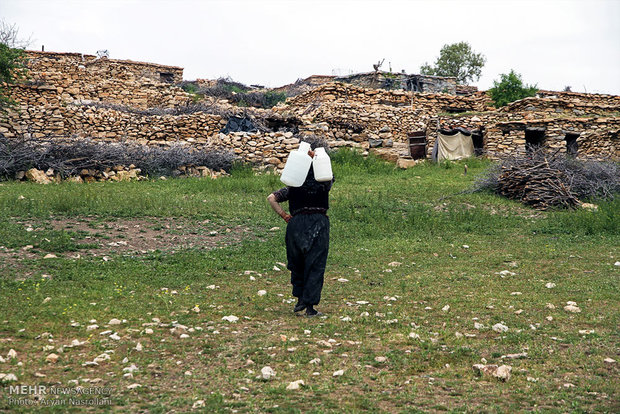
453,145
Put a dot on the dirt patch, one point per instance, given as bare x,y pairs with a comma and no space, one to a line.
142,236
96,237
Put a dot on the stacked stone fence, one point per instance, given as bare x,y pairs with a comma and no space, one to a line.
505,135
584,98
77,77
556,107
343,93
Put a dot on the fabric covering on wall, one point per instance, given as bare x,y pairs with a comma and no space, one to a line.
453,147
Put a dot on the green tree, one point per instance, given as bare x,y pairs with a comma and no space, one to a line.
510,88
12,62
457,60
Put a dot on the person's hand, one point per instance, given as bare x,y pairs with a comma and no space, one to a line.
287,217
311,153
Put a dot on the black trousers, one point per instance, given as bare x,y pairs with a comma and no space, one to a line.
307,245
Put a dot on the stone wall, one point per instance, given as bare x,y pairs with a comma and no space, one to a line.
557,106
80,95
395,81
585,98
504,134
77,77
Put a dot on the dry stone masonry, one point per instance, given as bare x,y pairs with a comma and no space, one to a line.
70,94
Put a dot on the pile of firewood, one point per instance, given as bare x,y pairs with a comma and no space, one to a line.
539,186
546,180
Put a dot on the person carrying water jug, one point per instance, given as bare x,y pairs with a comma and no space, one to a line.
309,179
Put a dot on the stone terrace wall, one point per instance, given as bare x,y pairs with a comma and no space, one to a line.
340,112
504,134
344,93
558,106
77,77
585,98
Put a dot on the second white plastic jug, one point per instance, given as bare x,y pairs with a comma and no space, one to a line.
322,166
297,166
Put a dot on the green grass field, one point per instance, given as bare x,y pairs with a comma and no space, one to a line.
417,276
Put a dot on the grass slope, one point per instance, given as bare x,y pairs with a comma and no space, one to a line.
406,252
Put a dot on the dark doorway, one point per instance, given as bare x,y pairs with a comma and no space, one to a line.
477,137
166,77
417,144
534,139
571,143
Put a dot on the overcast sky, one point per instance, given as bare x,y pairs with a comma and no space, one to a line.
550,43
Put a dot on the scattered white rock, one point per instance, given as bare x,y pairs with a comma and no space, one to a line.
516,293
549,318
294,385
499,327
184,336
12,354
532,379
572,308
502,372
131,368
550,306
617,264
343,280
478,326
267,373
138,347
52,358
550,285
414,335
380,359
196,309
212,287
506,273
338,373
115,337
50,256
199,404
148,331
465,246
446,308
230,318
133,386
261,292
276,268
125,360
315,361
364,314
114,321
609,360
92,327
515,356
8,377
47,299
345,319
569,385
394,264
102,358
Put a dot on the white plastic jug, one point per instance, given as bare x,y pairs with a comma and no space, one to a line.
297,166
322,166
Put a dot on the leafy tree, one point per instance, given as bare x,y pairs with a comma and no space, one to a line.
12,61
457,60
510,88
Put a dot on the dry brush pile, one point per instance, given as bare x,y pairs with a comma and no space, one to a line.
68,157
544,181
